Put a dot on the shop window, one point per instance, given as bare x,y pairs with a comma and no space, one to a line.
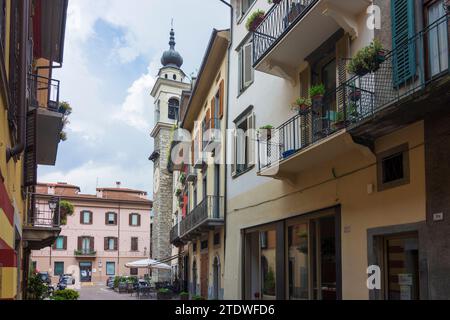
59,268
110,268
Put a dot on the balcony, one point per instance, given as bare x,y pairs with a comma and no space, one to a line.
363,108
175,236
43,224
208,215
283,40
44,102
85,254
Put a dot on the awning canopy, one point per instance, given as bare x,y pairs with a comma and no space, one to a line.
148,263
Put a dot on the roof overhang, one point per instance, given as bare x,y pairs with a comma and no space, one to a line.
212,61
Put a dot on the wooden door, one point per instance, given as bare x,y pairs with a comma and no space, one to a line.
204,271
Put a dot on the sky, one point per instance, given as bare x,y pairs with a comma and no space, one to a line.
111,59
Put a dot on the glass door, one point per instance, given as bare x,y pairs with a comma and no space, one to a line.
438,50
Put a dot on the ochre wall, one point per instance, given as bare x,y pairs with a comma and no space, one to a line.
360,210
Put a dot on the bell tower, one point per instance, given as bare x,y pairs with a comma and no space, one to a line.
167,95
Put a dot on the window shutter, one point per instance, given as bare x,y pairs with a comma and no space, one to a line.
116,244
139,219
65,243
403,25
251,146
92,244
130,219
80,243
213,112
222,98
106,244
54,244
91,217
248,68
107,218
115,219
342,54
81,217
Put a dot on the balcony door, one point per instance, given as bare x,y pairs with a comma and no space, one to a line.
438,49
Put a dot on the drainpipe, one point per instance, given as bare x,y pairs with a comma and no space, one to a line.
226,128
16,150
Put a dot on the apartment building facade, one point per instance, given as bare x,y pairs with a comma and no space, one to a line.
356,178
31,119
105,232
198,162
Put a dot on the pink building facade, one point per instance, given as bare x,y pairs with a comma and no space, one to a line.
105,232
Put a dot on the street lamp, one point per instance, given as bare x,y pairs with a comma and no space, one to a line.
53,204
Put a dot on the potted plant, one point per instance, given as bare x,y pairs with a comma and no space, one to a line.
340,121
178,192
65,209
368,59
302,105
164,294
255,19
65,295
352,110
266,132
183,178
316,92
184,295
198,298
355,94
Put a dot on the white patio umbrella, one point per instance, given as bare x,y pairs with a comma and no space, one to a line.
148,263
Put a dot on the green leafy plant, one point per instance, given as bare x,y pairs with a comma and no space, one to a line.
183,178
302,104
317,91
367,59
269,283
164,291
36,289
267,127
254,20
67,294
65,209
178,192
198,298
66,110
184,294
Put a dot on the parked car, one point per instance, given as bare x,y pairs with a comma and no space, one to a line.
45,277
65,281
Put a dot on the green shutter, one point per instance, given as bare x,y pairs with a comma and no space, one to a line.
403,30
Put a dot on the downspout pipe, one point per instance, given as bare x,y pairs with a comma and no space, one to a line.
16,150
227,122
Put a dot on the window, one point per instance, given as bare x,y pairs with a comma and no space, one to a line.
135,220
242,6
245,66
437,39
60,243
86,245
217,239
58,268
174,106
134,272
110,244
175,77
110,268
204,245
111,219
134,244
244,143
86,217
393,168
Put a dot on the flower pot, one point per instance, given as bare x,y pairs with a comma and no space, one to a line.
256,23
339,125
355,95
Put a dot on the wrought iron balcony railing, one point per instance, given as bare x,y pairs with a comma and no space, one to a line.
175,234
41,212
43,92
210,209
363,96
85,253
276,23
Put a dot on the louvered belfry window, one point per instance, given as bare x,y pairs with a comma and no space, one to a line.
403,26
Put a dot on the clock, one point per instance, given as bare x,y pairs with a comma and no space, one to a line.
156,181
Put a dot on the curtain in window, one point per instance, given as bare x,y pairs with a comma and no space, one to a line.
437,43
